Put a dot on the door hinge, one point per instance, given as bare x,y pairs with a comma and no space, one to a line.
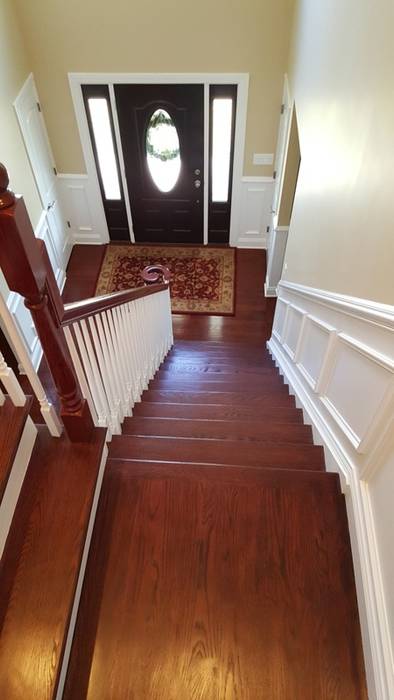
268,229
38,106
274,174
54,170
68,224
282,109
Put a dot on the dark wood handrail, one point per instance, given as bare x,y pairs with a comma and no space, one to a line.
77,310
26,266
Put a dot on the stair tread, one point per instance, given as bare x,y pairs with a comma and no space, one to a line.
170,369
277,397
297,478
262,571
219,429
211,451
227,412
12,423
41,561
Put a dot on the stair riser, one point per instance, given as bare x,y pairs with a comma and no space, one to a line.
271,384
219,430
218,452
229,413
218,398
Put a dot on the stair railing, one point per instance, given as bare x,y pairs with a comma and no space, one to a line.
101,352
117,343
10,381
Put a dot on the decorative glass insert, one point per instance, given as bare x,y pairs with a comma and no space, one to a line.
163,151
222,113
99,115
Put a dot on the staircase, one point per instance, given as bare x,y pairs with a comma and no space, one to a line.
220,562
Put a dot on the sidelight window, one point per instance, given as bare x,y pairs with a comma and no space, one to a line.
163,151
102,132
222,118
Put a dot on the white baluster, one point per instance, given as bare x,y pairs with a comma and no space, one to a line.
116,376
11,383
47,410
104,364
83,382
92,372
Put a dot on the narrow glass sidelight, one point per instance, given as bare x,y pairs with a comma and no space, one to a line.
163,150
222,115
101,126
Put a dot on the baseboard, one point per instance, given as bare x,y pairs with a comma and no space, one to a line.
269,291
81,576
15,481
370,589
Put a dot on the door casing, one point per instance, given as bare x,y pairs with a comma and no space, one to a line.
207,79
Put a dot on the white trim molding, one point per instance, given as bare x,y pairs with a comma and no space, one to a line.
336,352
99,232
276,254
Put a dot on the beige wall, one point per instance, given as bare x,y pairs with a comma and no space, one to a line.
290,175
341,75
150,36
14,69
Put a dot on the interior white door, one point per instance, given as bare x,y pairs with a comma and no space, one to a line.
28,111
281,147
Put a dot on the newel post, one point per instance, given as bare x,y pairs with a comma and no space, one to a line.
24,267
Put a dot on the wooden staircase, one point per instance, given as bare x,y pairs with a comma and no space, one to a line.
220,561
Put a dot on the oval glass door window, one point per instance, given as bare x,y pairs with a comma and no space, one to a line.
163,151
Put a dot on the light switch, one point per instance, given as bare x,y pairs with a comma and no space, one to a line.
263,158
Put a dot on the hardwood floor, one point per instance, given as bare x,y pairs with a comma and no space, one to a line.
220,565
253,317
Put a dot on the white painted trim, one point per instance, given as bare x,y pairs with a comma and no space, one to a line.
16,478
239,79
206,163
121,162
81,576
372,311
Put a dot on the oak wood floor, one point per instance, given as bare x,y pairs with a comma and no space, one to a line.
220,565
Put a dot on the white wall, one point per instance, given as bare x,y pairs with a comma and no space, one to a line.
341,77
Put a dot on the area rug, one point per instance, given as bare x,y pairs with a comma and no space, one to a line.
203,278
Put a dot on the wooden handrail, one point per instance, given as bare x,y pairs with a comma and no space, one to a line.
28,271
77,310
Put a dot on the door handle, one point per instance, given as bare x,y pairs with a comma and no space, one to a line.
51,205
197,183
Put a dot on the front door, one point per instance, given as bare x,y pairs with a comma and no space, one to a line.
162,135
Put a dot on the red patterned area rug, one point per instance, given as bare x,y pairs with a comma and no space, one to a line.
203,278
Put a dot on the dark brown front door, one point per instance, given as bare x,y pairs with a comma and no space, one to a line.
162,134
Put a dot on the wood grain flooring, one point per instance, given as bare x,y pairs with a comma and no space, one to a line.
12,423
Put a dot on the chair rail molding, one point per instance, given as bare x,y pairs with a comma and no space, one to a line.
336,352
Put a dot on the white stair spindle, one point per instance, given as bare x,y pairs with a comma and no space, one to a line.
11,383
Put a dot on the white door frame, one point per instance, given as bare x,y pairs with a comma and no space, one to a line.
76,80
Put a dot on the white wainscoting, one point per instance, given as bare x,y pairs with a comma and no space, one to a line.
337,354
255,212
83,208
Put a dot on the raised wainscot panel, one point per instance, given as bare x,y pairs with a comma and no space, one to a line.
315,351
358,390
280,318
292,332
